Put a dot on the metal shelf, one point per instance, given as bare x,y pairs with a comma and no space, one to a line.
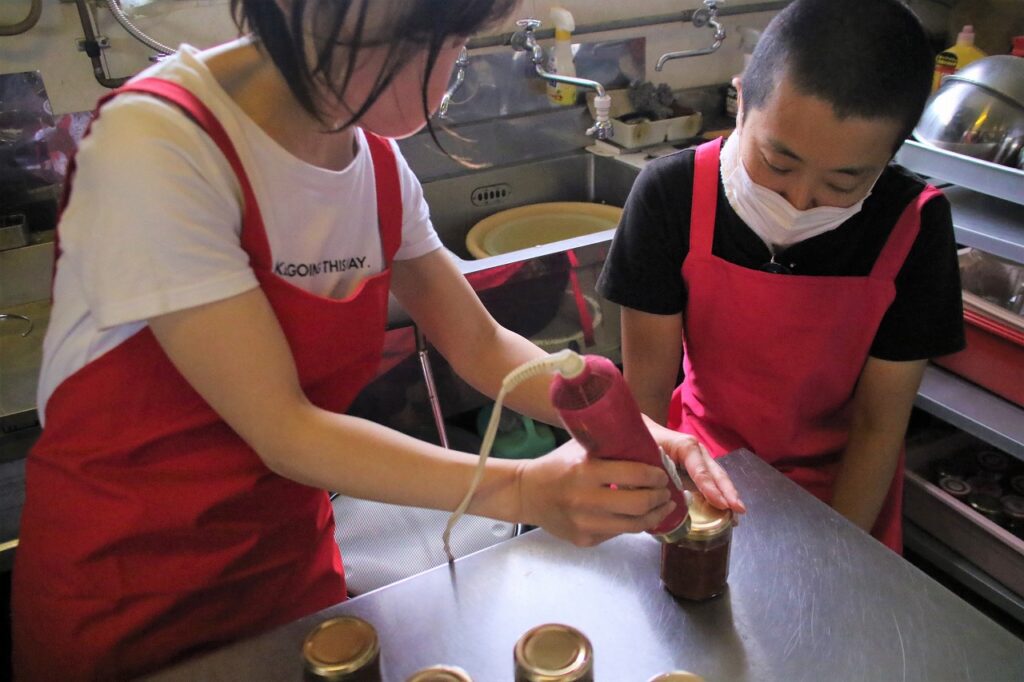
963,571
987,223
981,176
998,422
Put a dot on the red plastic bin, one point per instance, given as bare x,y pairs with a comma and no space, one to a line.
993,359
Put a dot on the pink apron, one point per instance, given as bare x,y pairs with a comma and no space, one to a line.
150,529
772,361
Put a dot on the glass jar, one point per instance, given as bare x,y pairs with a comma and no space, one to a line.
988,506
440,673
993,461
677,676
960,465
956,487
985,485
554,653
697,566
1013,512
342,649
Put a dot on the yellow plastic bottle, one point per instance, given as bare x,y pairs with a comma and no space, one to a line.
562,60
958,56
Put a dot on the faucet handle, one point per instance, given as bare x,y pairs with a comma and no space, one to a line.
523,40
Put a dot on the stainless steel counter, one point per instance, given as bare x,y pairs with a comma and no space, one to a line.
810,597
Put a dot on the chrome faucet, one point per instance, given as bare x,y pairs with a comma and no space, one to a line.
460,77
524,40
705,16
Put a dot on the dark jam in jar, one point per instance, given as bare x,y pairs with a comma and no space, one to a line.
697,566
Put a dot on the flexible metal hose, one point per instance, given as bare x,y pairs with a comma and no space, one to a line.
122,18
34,11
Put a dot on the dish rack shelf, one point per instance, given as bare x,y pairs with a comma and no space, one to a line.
970,408
1002,182
987,223
988,214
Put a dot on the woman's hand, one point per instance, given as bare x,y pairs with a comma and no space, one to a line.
709,477
570,496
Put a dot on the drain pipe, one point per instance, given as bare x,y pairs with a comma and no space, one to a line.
92,46
34,12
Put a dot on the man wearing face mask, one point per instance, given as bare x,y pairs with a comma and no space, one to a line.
809,278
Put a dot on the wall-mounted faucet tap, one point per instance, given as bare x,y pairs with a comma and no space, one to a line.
524,40
705,16
460,77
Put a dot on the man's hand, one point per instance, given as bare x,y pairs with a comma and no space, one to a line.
709,477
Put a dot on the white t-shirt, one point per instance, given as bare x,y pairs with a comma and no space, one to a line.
154,220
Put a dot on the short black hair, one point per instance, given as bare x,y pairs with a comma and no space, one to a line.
867,58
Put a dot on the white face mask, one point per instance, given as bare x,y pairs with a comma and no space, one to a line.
768,213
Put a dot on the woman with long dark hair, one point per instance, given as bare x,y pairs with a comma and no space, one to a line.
237,220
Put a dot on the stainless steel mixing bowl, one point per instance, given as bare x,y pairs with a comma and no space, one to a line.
979,112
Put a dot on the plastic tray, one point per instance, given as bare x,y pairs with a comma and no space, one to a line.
994,357
987,545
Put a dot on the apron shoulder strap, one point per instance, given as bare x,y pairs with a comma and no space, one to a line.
389,194
902,237
705,197
254,234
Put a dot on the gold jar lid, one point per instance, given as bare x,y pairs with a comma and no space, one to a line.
440,673
707,521
677,676
554,653
339,647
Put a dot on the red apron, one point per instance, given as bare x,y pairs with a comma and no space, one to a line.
150,529
771,361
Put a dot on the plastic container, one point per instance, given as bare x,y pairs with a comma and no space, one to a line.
964,530
519,437
561,61
954,58
994,357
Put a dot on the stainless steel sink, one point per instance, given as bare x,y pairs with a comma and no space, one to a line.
456,204
21,352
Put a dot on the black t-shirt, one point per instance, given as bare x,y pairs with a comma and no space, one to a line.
643,269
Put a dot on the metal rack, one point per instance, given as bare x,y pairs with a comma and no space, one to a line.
988,214
993,225
992,179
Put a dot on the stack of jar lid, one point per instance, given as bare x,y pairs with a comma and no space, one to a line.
989,481
346,649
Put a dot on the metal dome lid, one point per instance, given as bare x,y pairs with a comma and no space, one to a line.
1003,74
